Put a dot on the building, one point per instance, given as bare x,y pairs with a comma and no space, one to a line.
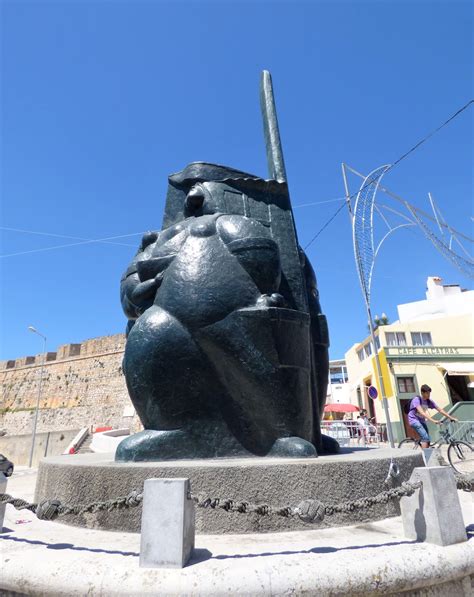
338,387
432,343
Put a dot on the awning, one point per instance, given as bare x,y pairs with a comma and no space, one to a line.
464,368
339,407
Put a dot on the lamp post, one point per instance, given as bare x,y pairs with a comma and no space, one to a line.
35,421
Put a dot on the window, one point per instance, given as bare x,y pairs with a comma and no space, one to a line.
360,354
395,338
338,375
368,349
406,385
421,339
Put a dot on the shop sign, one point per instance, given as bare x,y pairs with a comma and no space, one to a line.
427,351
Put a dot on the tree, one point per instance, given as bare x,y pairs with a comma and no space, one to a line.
378,321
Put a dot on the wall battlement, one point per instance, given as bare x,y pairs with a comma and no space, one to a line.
90,347
82,385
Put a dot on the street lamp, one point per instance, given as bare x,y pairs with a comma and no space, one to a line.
35,421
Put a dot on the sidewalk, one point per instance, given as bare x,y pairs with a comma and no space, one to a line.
48,558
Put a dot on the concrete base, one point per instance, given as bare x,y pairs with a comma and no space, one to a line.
167,535
433,513
354,474
39,558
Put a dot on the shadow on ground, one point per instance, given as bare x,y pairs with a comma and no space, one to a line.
201,555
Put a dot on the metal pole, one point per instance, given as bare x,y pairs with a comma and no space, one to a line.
346,188
435,213
366,282
379,374
35,421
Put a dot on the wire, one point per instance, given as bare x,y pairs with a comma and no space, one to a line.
86,242
392,166
60,236
325,225
432,133
319,202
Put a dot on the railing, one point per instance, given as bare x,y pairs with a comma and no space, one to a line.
350,433
463,430
76,443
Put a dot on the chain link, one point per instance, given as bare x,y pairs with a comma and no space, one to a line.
464,482
309,510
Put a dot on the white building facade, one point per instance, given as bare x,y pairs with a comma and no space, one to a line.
338,391
432,343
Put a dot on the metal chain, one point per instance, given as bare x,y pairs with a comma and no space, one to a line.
17,503
464,482
308,510
51,509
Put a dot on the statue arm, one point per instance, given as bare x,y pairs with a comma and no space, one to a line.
146,271
137,296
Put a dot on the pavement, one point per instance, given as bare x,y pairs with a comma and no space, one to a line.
48,558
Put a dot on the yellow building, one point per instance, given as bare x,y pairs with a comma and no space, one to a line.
432,343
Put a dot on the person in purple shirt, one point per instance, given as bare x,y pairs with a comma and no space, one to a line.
418,414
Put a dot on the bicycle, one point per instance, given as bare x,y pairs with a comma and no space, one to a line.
460,453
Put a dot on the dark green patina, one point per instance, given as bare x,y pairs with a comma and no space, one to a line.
227,348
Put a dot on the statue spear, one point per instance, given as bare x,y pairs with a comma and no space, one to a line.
276,164
276,170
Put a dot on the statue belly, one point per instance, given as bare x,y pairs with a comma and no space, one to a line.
205,283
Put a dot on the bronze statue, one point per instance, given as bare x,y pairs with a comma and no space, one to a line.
227,348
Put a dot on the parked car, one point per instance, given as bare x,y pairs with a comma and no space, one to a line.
6,466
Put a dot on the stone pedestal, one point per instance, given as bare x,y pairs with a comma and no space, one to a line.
353,474
167,533
433,513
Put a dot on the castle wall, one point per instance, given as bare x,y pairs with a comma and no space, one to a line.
82,386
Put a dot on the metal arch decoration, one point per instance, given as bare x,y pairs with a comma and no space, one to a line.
466,266
390,228
371,184
362,228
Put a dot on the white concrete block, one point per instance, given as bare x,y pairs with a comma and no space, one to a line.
3,489
428,456
167,532
433,513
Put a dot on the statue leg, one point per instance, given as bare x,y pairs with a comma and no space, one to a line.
320,375
174,392
261,357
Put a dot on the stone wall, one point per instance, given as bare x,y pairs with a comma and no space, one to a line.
82,386
17,448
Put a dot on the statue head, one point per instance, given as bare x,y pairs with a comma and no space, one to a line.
202,189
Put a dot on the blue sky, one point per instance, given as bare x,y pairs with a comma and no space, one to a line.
101,101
